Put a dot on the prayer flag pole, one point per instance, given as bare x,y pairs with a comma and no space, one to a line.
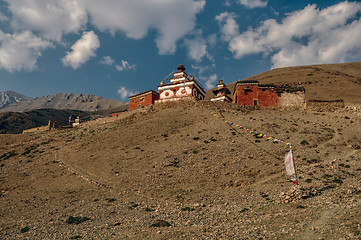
290,166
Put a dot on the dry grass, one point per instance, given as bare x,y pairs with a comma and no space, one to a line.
184,167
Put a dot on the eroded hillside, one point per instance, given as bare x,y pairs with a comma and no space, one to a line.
131,177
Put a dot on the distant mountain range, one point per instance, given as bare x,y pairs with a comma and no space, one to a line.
15,102
9,97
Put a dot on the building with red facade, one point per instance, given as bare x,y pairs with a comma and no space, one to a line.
252,93
143,99
181,87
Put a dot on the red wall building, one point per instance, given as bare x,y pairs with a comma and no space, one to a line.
143,99
251,93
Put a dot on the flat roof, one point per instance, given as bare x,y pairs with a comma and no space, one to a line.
144,93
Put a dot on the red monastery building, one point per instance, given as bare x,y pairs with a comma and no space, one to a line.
143,99
181,87
252,93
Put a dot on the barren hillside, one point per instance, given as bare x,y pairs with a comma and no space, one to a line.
322,82
182,173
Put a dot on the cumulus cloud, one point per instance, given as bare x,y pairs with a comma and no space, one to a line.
253,3
171,19
197,48
3,17
125,93
51,19
206,74
210,83
107,60
20,51
125,66
82,50
229,25
308,36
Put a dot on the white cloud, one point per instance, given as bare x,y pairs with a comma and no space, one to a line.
197,48
212,39
3,17
107,60
308,36
51,19
125,93
206,74
227,3
201,70
253,3
20,51
82,50
210,83
171,19
229,25
125,66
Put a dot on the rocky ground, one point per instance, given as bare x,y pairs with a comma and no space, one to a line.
182,173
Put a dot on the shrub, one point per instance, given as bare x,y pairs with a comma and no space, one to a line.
244,210
304,142
187,209
76,237
110,199
175,163
337,180
147,209
8,155
161,223
196,138
24,229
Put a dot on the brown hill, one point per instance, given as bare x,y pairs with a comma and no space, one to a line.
14,122
322,82
182,173
83,102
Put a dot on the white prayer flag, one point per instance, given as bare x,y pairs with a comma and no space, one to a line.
290,168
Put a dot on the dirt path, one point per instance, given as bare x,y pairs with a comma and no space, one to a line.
81,173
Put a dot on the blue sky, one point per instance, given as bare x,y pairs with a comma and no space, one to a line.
115,48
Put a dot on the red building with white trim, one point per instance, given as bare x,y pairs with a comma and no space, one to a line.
143,99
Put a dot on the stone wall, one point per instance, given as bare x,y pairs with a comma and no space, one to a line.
292,99
51,125
325,105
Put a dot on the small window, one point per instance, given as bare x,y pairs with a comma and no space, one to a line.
255,102
142,99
